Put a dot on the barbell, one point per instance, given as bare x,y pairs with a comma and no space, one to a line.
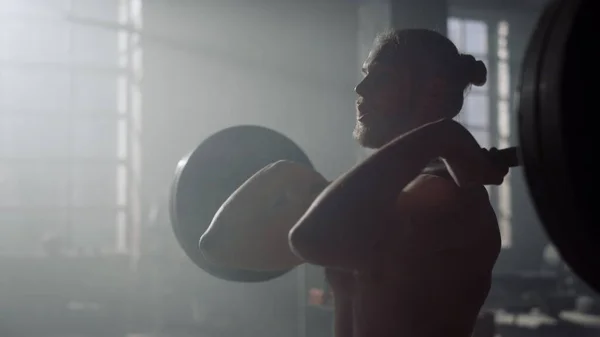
207,176
554,92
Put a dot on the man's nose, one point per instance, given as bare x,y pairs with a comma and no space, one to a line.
365,86
361,88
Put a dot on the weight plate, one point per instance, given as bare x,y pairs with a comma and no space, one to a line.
554,145
206,178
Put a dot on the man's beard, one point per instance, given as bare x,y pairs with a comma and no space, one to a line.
378,130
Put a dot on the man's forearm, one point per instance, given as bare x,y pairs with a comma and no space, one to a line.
350,209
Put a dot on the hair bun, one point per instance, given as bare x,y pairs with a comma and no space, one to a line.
475,70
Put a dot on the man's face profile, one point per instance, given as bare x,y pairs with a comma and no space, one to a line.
383,107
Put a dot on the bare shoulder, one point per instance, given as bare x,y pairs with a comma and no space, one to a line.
428,193
442,215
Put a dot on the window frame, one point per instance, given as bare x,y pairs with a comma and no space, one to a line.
126,70
500,196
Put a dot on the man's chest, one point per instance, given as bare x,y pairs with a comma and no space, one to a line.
378,282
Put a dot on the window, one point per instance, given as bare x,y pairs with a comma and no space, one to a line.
472,37
69,99
504,206
486,111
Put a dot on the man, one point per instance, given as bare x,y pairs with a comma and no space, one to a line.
408,253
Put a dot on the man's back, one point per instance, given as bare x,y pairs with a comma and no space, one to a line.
433,270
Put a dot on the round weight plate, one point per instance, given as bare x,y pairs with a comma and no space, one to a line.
553,141
206,178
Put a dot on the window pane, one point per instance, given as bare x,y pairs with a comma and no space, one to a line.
503,49
95,46
503,54
95,93
476,37
136,12
94,229
22,231
121,231
31,41
104,10
122,185
476,111
503,29
122,139
503,80
34,8
94,185
34,184
503,143
504,119
505,198
95,137
505,225
34,136
34,90
482,137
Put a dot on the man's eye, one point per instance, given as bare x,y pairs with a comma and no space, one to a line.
378,80
382,79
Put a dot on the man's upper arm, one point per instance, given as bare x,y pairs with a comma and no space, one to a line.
423,221
416,225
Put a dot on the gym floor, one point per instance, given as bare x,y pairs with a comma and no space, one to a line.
532,325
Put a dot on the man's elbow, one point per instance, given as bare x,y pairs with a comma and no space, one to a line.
315,248
308,246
